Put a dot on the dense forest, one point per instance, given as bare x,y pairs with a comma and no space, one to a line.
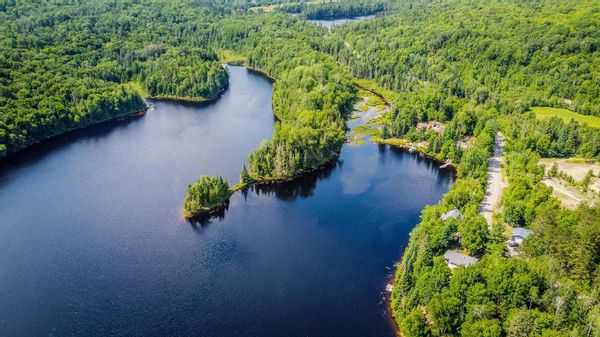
312,96
66,66
476,71
543,53
475,68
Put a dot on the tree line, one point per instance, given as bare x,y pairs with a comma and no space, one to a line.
332,9
544,53
312,96
66,66
470,65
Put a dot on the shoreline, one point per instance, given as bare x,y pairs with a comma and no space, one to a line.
422,153
242,63
122,117
207,212
185,99
273,181
47,140
260,72
241,186
388,303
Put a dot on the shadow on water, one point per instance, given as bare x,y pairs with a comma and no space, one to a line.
97,220
201,221
187,104
424,161
301,187
34,153
304,185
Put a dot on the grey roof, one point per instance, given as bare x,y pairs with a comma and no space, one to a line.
455,213
521,232
459,259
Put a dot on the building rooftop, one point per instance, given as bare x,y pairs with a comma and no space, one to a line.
455,213
521,232
459,259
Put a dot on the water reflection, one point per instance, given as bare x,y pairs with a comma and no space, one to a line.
61,143
94,243
301,187
204,219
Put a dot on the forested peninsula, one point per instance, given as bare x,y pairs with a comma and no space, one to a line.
67,66
458,75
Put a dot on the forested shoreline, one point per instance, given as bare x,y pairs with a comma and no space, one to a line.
459,73
312,96
65,67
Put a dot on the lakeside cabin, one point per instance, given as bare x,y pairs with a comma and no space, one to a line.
455,213
454,259
519,234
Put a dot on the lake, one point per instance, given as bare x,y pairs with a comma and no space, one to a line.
330,23
92,242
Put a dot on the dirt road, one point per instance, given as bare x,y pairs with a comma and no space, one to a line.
495,184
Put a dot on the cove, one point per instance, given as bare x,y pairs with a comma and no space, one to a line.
92,241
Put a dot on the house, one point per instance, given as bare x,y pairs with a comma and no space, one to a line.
455,213
435,126
454,259
519,234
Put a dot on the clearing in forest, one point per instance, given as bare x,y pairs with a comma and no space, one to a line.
545,113
574,180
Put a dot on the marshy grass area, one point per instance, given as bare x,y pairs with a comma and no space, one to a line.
228,56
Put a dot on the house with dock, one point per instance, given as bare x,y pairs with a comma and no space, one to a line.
454,259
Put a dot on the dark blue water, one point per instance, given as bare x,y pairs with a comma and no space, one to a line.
92,242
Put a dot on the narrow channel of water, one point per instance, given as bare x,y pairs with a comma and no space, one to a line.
92,241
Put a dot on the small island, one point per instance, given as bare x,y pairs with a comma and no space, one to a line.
206,195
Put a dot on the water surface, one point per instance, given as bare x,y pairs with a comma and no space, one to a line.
330,23
92,242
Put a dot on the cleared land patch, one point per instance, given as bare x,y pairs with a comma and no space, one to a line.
545,113
571,191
